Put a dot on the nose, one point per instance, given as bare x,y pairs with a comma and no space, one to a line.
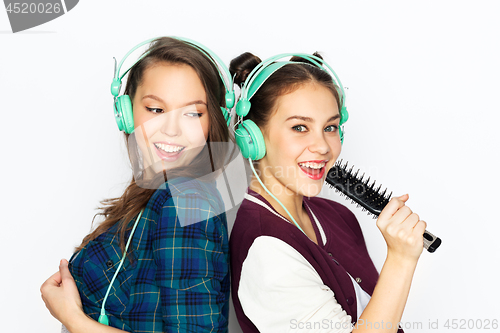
171,126
319,144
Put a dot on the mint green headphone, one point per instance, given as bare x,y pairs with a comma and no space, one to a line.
248,135
123,105
103,317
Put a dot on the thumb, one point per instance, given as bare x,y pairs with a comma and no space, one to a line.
64,271
67,280
404,197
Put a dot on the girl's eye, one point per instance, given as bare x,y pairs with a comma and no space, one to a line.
154,110
299,128
331,128
194,114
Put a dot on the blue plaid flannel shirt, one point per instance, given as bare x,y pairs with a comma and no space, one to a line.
178,280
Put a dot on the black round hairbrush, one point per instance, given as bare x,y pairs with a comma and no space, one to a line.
367,195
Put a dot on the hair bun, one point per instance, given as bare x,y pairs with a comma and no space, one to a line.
242,65
300,59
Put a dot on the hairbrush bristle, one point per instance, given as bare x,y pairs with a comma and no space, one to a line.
359,190
364,194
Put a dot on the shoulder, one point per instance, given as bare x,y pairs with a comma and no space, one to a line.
249,216
189,210
253,220
187,201
187,187
248,225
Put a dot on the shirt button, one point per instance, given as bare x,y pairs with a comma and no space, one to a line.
358,280
109,263
333,259
349,300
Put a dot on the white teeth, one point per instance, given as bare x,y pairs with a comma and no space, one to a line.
168,148
312,165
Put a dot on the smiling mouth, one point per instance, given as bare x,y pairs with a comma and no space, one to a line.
169,148
313,169
167,152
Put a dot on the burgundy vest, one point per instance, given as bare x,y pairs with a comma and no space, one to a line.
345,249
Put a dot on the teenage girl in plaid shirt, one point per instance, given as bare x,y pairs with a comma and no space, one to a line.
175,277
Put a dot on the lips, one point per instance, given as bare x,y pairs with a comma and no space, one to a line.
168,151
313,169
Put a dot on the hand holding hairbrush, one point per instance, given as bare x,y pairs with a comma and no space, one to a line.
367,196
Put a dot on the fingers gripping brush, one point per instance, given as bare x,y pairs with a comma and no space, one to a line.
367,196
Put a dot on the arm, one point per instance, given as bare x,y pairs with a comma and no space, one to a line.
403,232
279,289
62,299
191,252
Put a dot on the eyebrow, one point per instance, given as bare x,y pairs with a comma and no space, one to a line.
310,120
156,98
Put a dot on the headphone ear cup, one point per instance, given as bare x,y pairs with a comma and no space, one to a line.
243,107
259,146
229,99
124,116
344,115
242,140
250,140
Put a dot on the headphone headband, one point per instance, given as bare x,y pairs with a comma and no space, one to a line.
205,50
123,104
261,67
248,135
268,67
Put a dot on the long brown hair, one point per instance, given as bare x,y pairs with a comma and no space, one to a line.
172,51
285,80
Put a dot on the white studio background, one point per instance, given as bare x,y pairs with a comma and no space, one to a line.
423,83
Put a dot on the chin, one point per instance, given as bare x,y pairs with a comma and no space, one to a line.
308,189
159,167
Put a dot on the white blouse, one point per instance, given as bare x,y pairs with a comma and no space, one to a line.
280,291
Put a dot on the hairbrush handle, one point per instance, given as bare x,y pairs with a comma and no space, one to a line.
431,242
366,196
